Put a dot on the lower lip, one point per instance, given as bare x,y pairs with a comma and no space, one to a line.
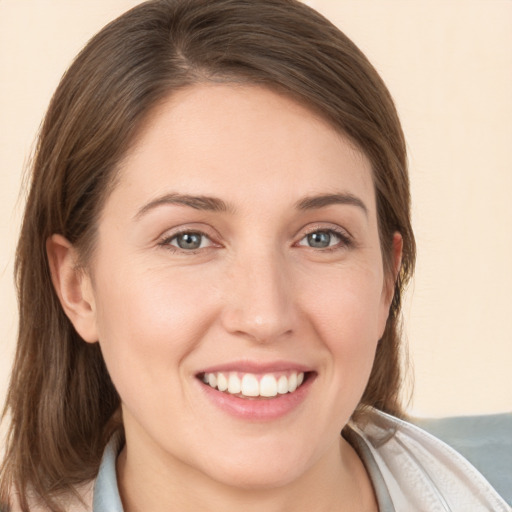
262,409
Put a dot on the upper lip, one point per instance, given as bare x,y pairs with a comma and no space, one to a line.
257,367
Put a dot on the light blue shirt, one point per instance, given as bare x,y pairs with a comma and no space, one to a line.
106,493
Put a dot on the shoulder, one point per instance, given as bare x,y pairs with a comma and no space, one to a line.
419,469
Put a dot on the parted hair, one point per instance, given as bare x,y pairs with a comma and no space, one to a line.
61,405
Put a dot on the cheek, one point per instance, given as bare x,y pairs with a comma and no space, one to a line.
346,305
148,322
347,314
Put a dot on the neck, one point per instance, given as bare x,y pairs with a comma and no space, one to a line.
336,482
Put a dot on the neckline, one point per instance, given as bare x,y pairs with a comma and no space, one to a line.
106,491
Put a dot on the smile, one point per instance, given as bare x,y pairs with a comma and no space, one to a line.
251,385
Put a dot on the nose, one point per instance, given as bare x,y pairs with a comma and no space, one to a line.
259,299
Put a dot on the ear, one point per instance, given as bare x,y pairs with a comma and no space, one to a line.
398,245
73,287
396,262
389,281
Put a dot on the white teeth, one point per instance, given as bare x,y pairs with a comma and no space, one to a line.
292,383
282,385
222,382
234,384
251,385
268,385
212,380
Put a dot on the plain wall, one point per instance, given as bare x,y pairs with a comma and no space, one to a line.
448,64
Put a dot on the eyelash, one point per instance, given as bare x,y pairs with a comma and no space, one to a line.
345,240
166,241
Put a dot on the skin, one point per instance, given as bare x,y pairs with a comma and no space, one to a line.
255,290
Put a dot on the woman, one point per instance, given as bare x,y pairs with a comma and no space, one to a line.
210,268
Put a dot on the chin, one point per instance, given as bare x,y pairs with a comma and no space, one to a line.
259,478
263,470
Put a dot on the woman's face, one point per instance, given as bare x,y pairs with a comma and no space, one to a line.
239,247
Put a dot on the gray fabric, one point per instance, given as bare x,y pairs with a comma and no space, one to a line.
486,441
379,485
421,472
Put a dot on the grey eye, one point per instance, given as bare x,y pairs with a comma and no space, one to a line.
319,239
323,239
188,241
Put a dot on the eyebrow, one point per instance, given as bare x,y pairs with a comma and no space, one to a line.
214,204
323,200
204,203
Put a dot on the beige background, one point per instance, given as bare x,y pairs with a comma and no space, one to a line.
448,64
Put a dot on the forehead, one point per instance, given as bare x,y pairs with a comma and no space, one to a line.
235,140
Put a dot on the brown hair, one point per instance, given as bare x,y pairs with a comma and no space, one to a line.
61,401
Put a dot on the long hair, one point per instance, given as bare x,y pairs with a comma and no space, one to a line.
61,402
